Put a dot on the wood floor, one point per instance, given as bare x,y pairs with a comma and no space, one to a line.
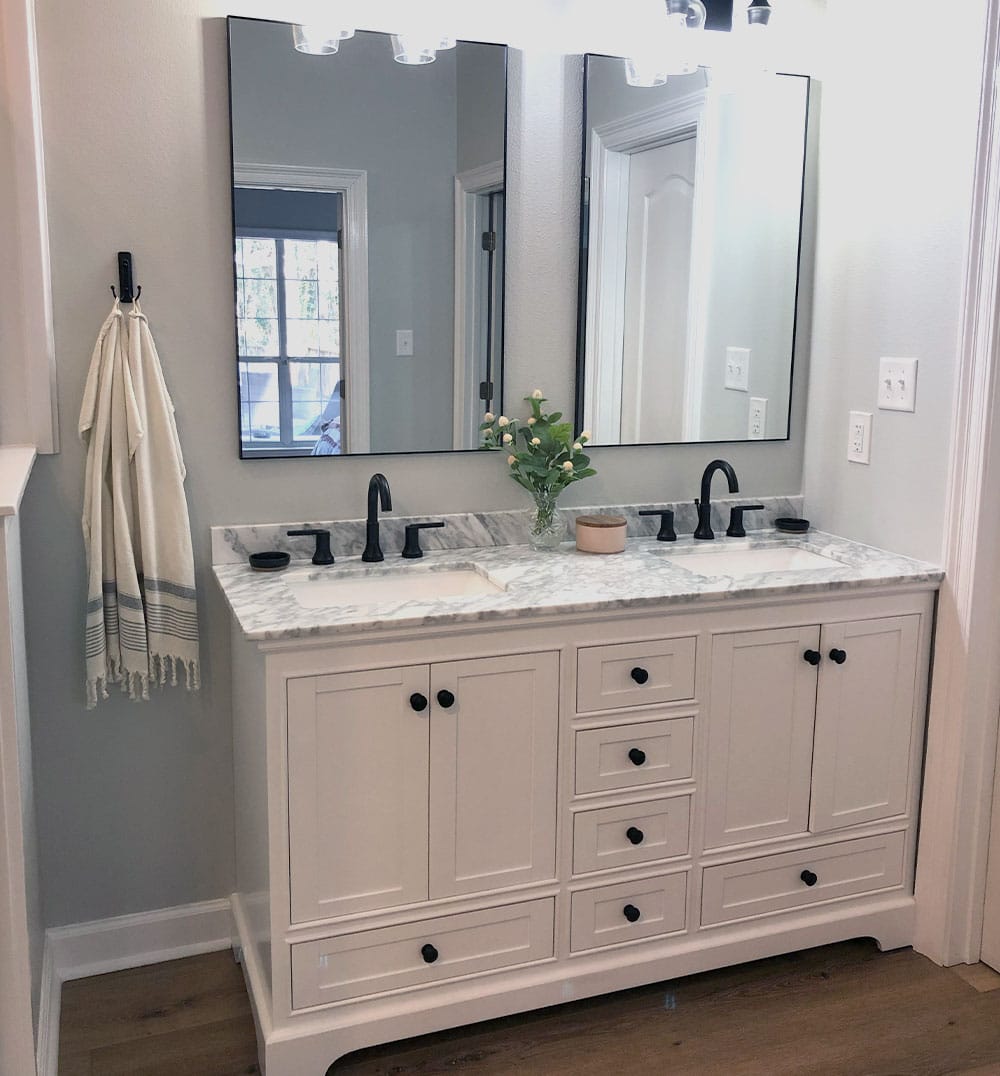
843,1010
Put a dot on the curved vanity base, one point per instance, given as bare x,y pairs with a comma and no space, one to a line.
308,1044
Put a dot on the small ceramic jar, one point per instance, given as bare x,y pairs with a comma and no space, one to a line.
601,534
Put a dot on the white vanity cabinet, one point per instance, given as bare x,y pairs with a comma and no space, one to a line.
445,824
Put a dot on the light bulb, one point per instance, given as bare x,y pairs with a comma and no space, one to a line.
314,40
415,49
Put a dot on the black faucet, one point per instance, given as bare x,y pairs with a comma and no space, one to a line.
378,491
705,504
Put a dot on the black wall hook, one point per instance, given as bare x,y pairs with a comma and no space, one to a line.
126,293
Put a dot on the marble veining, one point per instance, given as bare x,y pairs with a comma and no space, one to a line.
565,581
474,530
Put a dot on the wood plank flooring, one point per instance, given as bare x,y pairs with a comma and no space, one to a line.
842,1010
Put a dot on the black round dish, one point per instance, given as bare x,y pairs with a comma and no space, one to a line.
269,562
791,525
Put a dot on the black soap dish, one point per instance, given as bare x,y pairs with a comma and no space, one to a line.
272,561
791,525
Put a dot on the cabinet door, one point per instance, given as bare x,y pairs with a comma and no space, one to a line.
763,698
357,791
493,772
864,721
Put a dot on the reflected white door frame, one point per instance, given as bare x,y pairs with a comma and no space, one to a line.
352,185
612,145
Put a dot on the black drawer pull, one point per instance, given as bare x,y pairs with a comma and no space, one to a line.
639,675
631,913
839,656
636,756
446,699
814,657
809,877
636,836
418,702
429,953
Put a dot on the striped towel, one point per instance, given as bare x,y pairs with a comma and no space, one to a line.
142,613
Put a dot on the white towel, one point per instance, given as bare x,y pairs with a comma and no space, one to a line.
142,616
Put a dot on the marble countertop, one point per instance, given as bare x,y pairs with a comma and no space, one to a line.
648,574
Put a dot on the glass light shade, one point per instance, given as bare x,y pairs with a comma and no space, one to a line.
665,46
415,49
315,40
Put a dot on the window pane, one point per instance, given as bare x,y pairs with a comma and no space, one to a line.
301,298
300,259
303,339
315,399
261,298
329,338
257,257
258,336
259,408
329,279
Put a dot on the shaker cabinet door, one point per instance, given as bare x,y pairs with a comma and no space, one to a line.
493,772
864,721
357,791
763,698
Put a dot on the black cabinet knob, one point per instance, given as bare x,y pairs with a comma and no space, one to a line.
418,701
636,756
639,675
636,836
446,699
814,657
809,877
429,953
839,656
631,913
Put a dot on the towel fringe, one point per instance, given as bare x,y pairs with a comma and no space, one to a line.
162,667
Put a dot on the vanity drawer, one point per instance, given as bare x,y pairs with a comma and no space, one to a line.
775,883
373,961
628,910
634,674
629,834
627,756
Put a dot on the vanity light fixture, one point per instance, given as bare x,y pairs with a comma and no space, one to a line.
418,48
319,39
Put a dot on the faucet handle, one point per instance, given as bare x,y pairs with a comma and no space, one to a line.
736,528
667,532
322,536
411,548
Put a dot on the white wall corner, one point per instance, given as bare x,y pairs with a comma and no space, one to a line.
128,941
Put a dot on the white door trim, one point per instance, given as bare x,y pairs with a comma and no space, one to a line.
28,288
610,148
353,185
468,271
965,699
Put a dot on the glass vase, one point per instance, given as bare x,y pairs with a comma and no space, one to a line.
548,527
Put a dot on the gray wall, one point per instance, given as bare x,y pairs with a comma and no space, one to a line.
135,801
481,105
362,110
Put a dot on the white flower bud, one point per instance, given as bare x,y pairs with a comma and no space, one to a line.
568,465
537,395
532,420
536,440
512,460
585,436
507,438
577,447
502,421
488,417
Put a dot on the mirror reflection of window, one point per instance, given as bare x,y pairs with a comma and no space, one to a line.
288,294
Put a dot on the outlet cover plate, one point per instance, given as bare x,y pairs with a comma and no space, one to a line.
859,437
738,369
757,421
897,384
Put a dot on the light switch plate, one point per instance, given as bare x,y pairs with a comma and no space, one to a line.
738,368
897,384
404,343
859,437
758,418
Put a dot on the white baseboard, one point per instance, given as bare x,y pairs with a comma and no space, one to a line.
129,941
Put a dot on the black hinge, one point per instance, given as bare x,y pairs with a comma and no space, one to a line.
341,389
489,242
486,391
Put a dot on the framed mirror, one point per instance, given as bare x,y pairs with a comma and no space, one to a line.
690,250
368,237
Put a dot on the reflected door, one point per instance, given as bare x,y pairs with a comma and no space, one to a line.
657,287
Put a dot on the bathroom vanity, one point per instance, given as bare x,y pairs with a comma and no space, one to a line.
591,774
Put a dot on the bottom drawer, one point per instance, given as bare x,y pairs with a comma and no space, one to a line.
628,910
373,961
792,879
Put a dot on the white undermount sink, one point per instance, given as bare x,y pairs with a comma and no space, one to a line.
750,561
379,588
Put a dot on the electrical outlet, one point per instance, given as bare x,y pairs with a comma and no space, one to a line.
897,384
859,437
758,418
404,343
738,368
